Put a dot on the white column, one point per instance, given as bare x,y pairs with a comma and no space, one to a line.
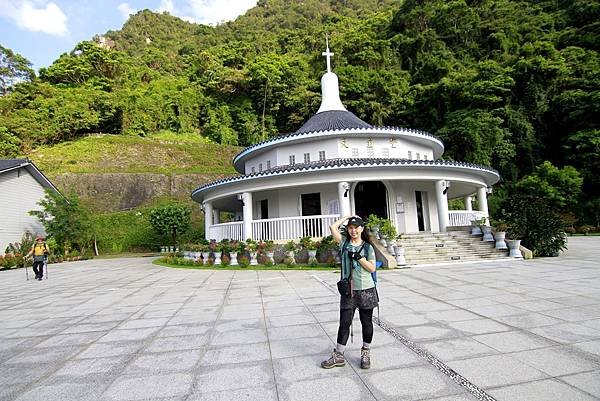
468,203
482,201
216,216
208,216
247,210
344,198
442,204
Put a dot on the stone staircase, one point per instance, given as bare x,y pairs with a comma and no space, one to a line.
452,246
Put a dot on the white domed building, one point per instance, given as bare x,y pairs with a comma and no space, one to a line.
336,164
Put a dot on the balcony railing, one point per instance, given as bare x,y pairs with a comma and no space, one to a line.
458,218
287,228
233,230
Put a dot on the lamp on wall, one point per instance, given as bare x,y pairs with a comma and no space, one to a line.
240,197
346,188
488,190
446,185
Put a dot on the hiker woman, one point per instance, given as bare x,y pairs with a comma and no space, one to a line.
40,252
358,262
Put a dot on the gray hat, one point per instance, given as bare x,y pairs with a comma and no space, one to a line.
355,221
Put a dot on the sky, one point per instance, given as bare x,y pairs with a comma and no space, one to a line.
41,30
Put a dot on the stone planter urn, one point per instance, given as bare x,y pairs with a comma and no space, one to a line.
476,230
499,237
375,231
487,234
196,256
253,261
233,258
391,248
269,255
400,260
514,248
383,242
217,260
312,255
289,258
205,256
163,249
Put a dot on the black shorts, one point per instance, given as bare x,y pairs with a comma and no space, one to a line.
361,299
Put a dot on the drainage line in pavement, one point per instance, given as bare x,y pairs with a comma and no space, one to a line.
439,365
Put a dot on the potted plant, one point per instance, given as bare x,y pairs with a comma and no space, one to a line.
252,248
311,247
477,224
233,252
500,227
268,249
399,251
204,251
373,224
387,232
290,248
515,233
215,248
225,247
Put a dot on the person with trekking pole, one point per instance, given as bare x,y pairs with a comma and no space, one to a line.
40,253
356,287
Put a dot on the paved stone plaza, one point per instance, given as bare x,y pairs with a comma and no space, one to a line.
126,329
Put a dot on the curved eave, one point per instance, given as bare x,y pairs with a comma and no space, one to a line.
489,175
419,136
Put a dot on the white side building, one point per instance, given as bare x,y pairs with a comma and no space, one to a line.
336,164
21,188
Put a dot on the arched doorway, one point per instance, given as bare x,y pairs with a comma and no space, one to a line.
370,197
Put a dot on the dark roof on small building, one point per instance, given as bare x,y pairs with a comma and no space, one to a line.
11,164
332,120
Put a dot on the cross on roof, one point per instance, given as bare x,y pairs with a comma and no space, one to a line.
328,54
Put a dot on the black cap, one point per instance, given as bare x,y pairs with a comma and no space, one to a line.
355,221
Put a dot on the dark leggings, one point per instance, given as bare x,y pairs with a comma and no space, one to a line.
40,266
366,320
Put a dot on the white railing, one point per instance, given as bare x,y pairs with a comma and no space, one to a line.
233,230
457,218
287,228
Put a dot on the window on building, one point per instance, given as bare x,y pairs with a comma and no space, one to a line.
385,152
370,152
259,167
418,156
322,155
354,152
292,160
425,157
409,155
253,169
307,158
268,164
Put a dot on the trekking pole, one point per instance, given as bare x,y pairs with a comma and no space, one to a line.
46,266
26,268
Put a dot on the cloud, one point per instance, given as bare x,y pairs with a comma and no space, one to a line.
125,10
37,17
210,12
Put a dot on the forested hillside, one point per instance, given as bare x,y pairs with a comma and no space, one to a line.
505,83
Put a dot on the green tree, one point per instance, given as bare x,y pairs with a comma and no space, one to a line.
65,220
14,68
9,144
171,220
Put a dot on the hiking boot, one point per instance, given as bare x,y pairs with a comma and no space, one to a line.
336,359
365,358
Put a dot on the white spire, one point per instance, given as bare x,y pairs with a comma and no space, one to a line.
330,92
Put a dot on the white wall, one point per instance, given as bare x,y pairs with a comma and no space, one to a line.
374,148
19,193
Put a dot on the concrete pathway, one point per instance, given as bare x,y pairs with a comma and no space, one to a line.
128,330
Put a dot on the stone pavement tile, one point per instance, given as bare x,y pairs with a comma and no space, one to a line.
44,355
294,310
300,368
100,350
429,332
512,341
538,305
70,339
594,324
557,361
290,320
329,388
384,358
263,393
163,362
236,354
90,327
12,375
456,315
197,318
456,397
431,306
574,314
143,323
84,367
542,390
246,336
128,335
298,331
567,333
144,387
109,317
593,347
496,310
233,377
321,345
412,383
468,303
460,348
176,330
576,300
479,326
329,316
177,343
62,392
406,319
528,320
495,370
510,298
228,325
242,314
588,382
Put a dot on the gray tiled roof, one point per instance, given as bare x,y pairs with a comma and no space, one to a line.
332,120
7,164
